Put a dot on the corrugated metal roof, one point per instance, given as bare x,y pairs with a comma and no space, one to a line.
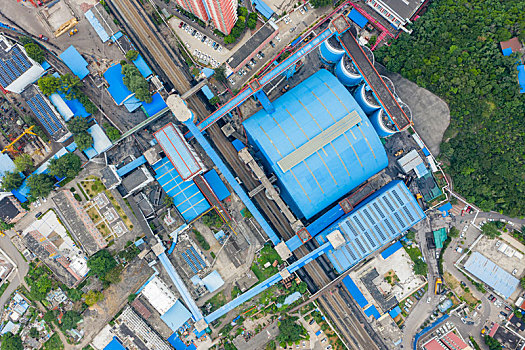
218,187
378,220
74,60
176,316
302,114
490,273
142,67
101,32
117,89
100,141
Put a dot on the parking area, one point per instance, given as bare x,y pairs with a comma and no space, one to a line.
204,49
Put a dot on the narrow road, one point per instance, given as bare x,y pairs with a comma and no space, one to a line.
23,267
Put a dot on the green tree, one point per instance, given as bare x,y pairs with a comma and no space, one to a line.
40,185
490,230
215,100
131,297
492,343
92,297
242,11
453,232
11,181
48,84
136,83
4,226
74,294
522,282
420,268
143,94
70,320
33,333
23,162
168,201
70,85
132,55
35,52
101,263
113,276
112,132
53,343
69,165
11,341
220,74
83,140
302,287
320,3
50,317
77,125
290,331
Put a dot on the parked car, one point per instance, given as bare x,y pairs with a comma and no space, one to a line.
261,53
43,38
39,214
181,24
73,32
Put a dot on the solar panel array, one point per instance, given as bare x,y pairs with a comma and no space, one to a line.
373,224
13,66
193,259
44,114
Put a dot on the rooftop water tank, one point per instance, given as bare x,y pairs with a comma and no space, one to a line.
347,73
366,99
331,51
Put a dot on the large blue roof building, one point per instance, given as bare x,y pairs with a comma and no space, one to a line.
318,142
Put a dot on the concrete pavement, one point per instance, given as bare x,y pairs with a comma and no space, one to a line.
22,266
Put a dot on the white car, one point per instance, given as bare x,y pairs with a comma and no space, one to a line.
277,38
301,10
220,48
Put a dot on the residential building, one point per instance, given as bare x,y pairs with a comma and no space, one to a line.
222,14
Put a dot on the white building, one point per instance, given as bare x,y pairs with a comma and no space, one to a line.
159,295
17,70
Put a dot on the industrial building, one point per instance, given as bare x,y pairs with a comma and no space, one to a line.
491,274
448,341
10,209
381,218
17,70
398,12
318,142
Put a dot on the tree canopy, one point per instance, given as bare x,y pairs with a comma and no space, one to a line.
40,282
132,55
69,165
11,181
492,343
101,263
290,331
54,343
40,185
454,52
490,230
35,52
320,3
48,84
136,83
453,232
70,320
11,341
77,125
92,297
23,162
83,140
112,132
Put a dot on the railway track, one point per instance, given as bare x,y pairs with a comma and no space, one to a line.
158,53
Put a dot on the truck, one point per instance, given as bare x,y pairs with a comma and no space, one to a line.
439,286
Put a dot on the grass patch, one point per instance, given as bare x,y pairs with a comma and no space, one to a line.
93,187
3,288
119,210
202,241
217,301
83,192
104,230
93,214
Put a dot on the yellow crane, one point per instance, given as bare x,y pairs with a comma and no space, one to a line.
10,146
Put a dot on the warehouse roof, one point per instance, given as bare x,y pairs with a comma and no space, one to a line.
74,60
318,142
117,89
381,218
493,275
178,151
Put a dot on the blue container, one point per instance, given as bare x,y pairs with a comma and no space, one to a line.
331,51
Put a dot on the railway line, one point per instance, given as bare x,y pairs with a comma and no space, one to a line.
160,56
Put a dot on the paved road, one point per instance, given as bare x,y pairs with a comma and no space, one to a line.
8,247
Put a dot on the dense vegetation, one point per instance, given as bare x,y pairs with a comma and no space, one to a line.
68,84
290,331
79,127
69,165
136,83
454,52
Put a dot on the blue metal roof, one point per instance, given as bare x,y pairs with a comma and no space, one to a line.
395,312
213,281
493,275
391,250
507,51
302,116
521,78
115,344
238,145
117,89
355,292
358,18
101,32
142,67
176,316
134,164
207,92
132,104
263,8
74,60
378,220
187,197
372,311
68,108
157,105
218,187
6,164
178,344
178,151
